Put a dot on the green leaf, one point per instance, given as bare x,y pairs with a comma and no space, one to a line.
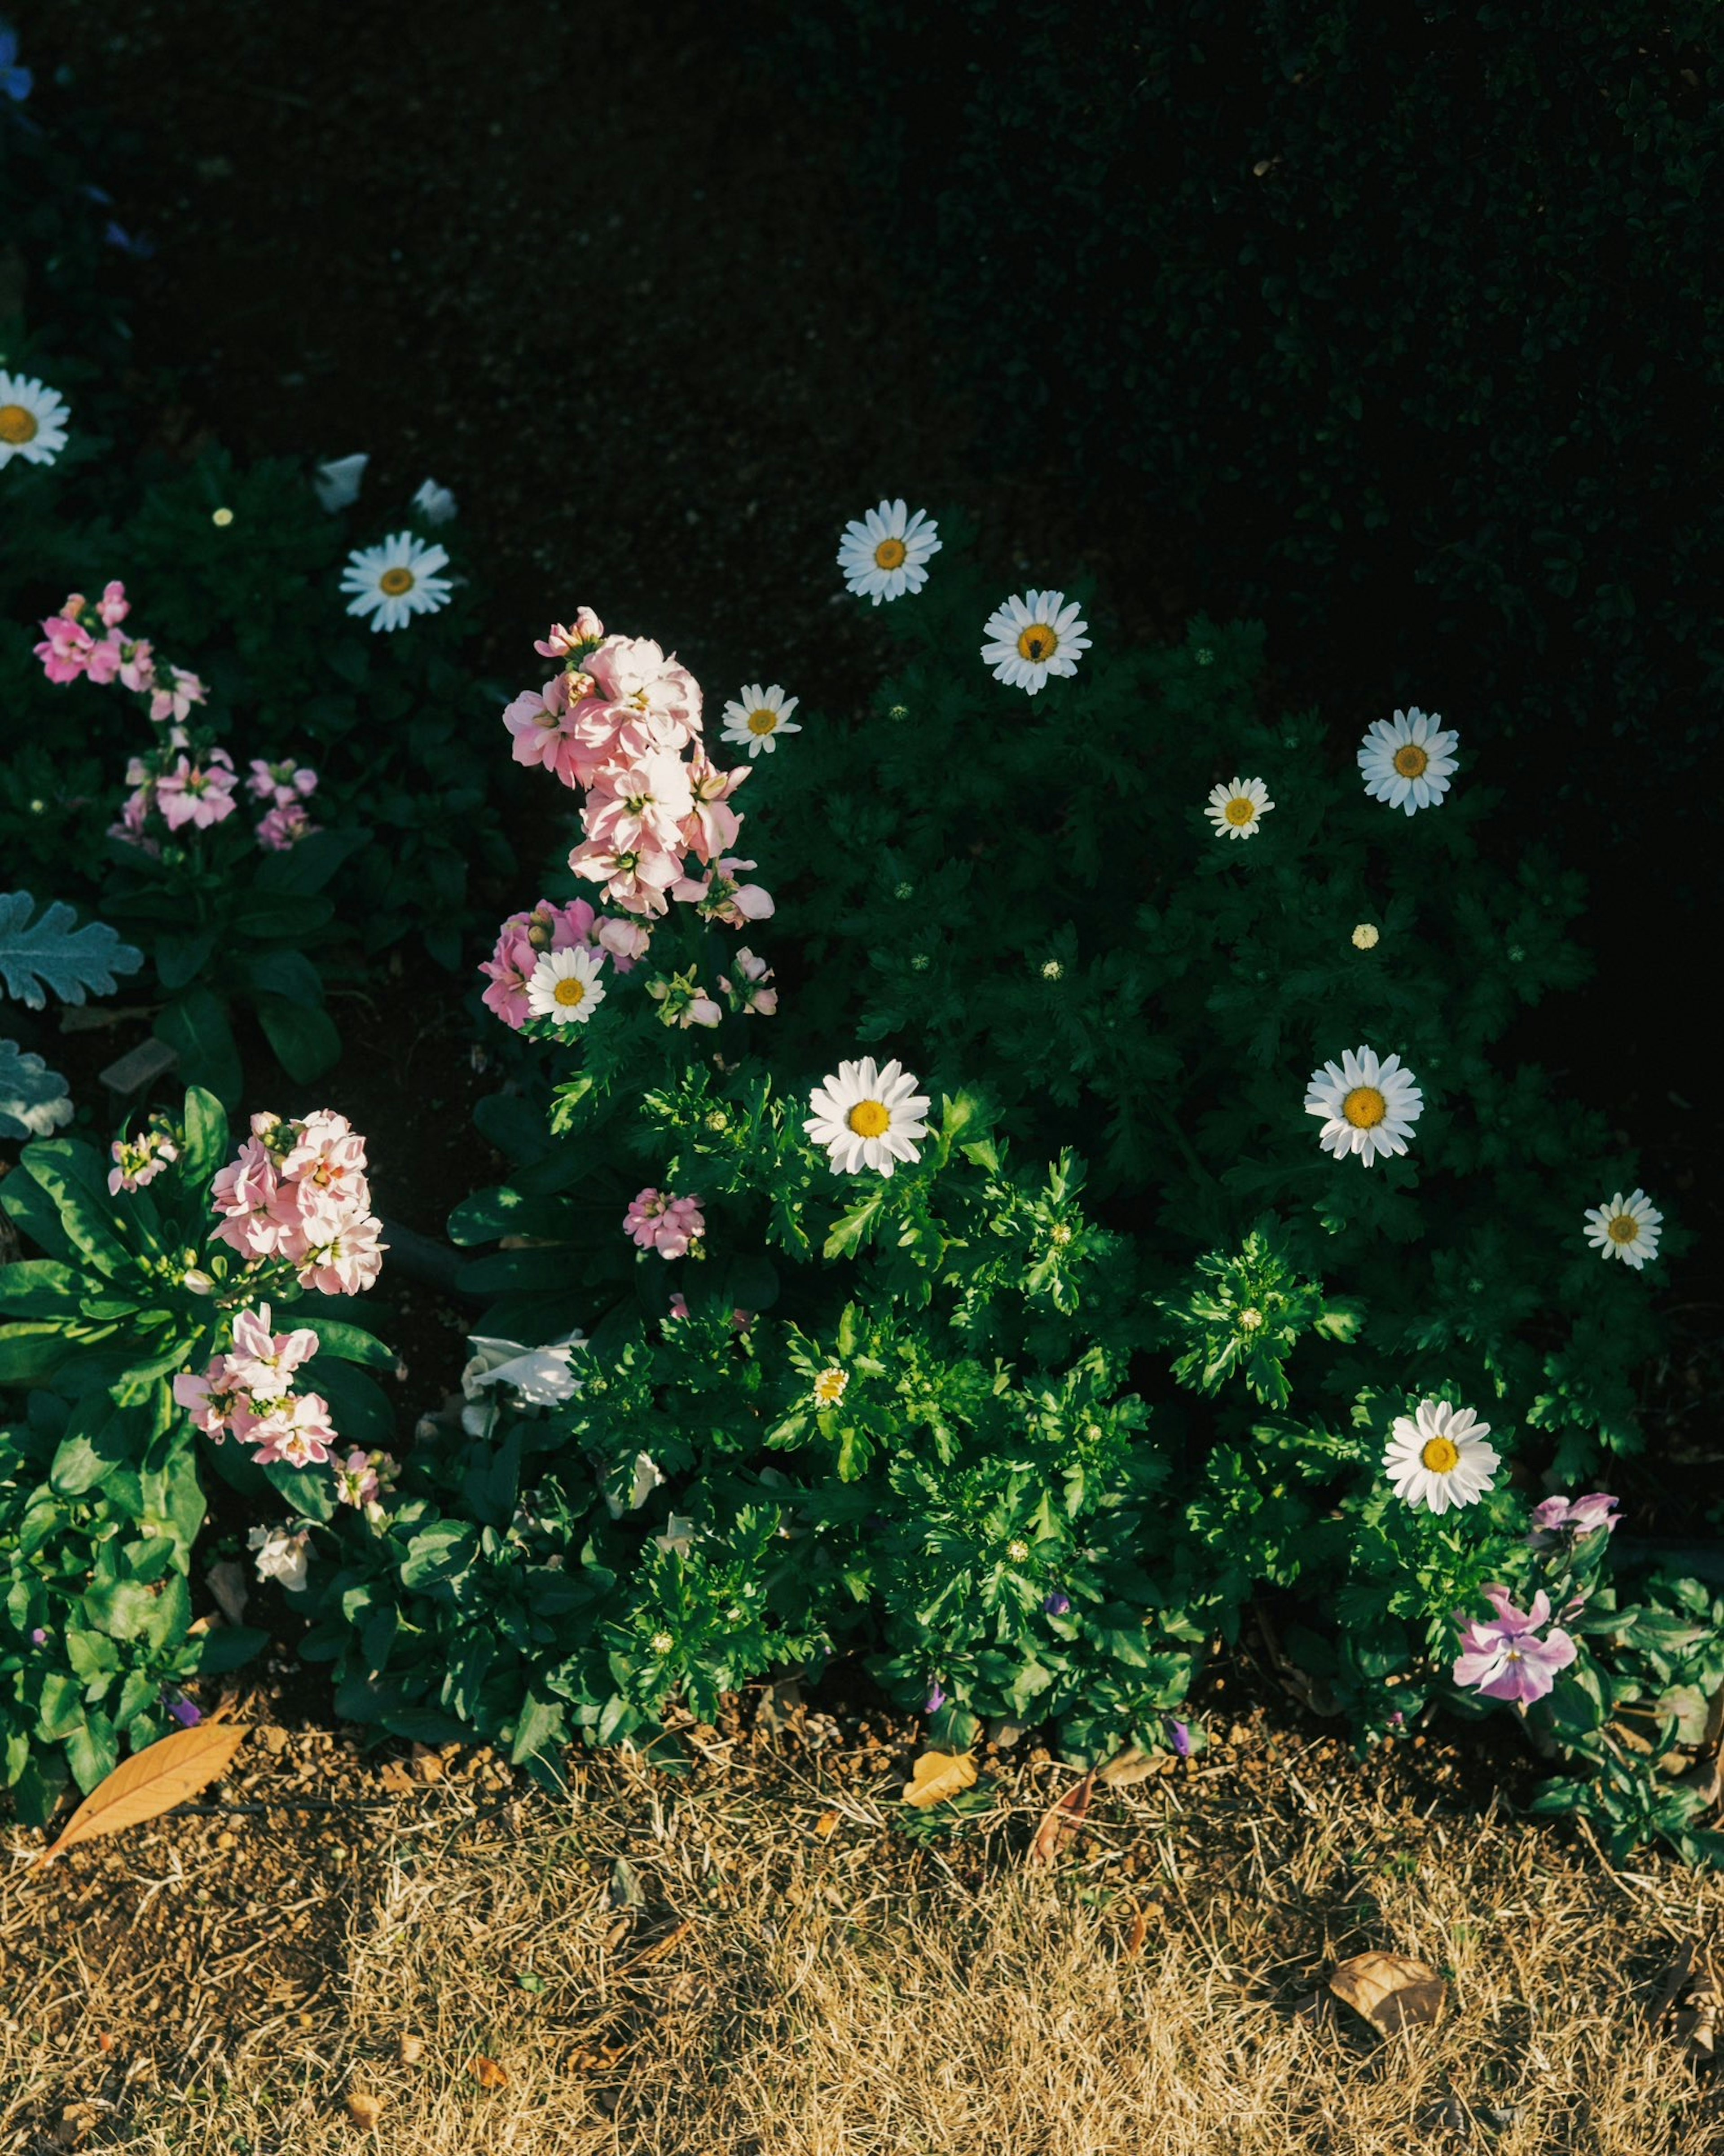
205,1126
857,1226
352,1343
180,959
286,973
439,1553
34,1100
53,955
31,1353
308,866
270,913
78,1185
539,1725
303,1036
92,1751
228,1648
195,1026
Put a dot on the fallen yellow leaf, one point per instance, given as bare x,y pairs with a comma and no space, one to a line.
939,1775
826,1826
488,2073
362,2109
152,1782
1390,1990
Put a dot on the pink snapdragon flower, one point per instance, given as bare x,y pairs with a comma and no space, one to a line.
247,1193
279,831
1504,1658
283,784
261,1362
356,1482
68,650
539,723
586,628
754,996
200,793
140,1160
1557,1517
668,1225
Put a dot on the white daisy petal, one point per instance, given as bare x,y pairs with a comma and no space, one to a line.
1626,1228
755,719
867,1118
1406,762
1369,1108
1237,809
1033,637
397,580
564,986
1437,1458
885,554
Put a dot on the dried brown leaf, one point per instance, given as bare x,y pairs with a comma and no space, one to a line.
362,2109
152,1782
227,1582
826,1826
410,2049
1130,1767
939,1775
1390,1990
488,2073
1062,1821
1137,1934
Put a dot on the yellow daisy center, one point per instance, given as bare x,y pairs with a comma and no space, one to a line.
1410,760
889,554
1036,643
869,1119
1364,1107
1441,1455
763,721
1240,809
1623,1228
394,582
18,424
570,991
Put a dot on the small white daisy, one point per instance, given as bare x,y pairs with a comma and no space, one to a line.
756,722
1406,762
394,582
1033,637
1439,1457
1625,1228
883,556
1367,1107
336,482
867,1118
33,420
434,503
1237,809
565,987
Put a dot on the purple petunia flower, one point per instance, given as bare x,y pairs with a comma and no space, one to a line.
1574,1515
1504,1658
184,1713
936,1699
39,1637
1181,1733
1056,1603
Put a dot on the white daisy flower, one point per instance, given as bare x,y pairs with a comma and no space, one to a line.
1625,1228
33,420
434,503
565,987
1438,1458
867,1118
335,483
883,556
1406,762
756,722
1033,637
394,582
1239,808
1367,1107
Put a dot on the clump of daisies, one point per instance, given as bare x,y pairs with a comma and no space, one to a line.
619,723
886,552
33,420
1407,760
1032,638
185,782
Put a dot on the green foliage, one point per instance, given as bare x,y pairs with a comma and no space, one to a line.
51,955
1397,318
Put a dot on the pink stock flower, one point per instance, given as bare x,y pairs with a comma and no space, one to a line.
347,1258
625,941
328,1155
639,805
198,793
281,829
137,668
634,672
214,1398
246,1193
712,825
297,1430
636,882
668,1225
587,629
719,895
113,606
264,1362
509,968
140,1160
65,649
1577,1516
356,1479
754,996
106,657
1503,1657
283,784
177,701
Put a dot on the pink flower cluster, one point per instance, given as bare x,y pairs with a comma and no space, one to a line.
622,719
361,1478
140,1160
249,1394
1558,1519
297,1195
1503,1657
668,1225
753,995
525,938
185,782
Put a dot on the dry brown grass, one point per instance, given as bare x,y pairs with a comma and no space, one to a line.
849,1994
